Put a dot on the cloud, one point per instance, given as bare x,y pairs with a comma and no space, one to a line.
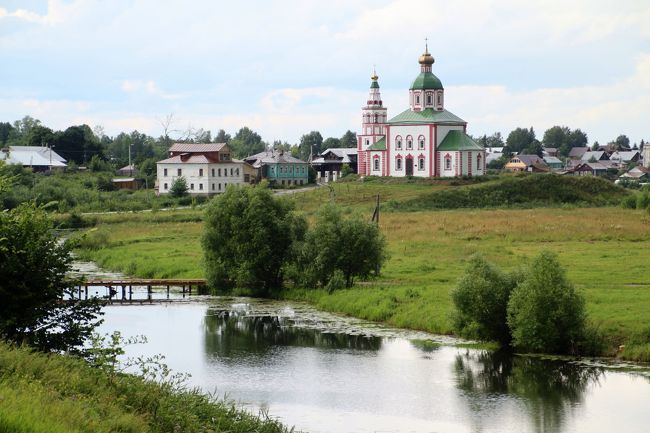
58,12
147,87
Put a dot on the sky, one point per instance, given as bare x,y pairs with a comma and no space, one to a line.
284,68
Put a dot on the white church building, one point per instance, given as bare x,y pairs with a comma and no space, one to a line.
425,140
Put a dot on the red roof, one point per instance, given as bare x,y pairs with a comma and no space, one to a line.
196,147
191,159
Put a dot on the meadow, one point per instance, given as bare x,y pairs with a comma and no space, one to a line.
605,251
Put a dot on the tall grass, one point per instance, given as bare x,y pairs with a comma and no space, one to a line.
55,393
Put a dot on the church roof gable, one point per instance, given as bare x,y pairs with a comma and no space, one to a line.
379,145
428,115
458,140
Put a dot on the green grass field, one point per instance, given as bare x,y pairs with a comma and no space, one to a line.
42,393
606,251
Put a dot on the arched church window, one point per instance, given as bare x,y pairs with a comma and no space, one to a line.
429,100
398,163
409,142
417,99
447,162
375,117
479,166
439,98
421,164
421,142
398,143
376,161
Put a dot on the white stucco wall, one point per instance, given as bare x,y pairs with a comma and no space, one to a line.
414,131
206,184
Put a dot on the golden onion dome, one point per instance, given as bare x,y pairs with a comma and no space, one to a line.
426,58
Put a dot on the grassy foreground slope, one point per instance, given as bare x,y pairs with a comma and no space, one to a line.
605,250
57,394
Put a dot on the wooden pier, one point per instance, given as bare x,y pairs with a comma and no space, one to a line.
125,286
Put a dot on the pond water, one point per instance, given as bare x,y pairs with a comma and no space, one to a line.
325,373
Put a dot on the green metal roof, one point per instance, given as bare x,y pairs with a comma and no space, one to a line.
428,115
426,80
374,84
458,140
380,145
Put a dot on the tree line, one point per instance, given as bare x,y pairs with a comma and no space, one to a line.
79,144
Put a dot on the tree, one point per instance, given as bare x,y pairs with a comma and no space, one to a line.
622,142
564,139
519,139
348,140
534,148
77,143
481,300
5,132
222,137
351,246
595,146
545,313
331,142
148,170
178,187
249,239
310,144
246,142
33,267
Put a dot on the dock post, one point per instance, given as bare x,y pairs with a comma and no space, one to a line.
167,291
123,292
149,291
86,291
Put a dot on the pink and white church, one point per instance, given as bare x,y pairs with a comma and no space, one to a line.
426,140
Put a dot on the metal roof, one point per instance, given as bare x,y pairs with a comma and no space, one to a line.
458,140
273,157
33,156
379,145
425,81
196,147
427,116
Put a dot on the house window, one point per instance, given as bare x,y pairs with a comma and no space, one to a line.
179,172
237,171
429,101
219,171
398,163
447,162
192,186
219,187
398,143
201,186
225,172
224,157
200,172
213,174
212,187
478,163
165,172
165,187
231,171
376,161
421,143
421,164
367,142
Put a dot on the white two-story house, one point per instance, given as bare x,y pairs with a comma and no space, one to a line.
208,168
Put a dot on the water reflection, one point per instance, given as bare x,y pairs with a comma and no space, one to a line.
233,333
550,391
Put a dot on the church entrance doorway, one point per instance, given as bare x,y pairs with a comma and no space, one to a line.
409,166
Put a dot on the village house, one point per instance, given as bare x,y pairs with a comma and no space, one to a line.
208,168
529,163
625,157
279,168
553,162
37,158
577,152
425,140
329,164
589,169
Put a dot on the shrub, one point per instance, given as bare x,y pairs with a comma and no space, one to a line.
629,202
643,200
354,247
178,187
248,240
481,301
545,312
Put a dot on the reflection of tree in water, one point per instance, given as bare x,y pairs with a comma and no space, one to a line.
232,334
549,389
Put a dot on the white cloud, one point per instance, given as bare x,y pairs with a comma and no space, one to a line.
58,12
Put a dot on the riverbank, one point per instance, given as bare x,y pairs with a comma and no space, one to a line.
605,251
52,393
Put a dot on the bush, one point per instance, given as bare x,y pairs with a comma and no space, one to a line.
643,200
178,187
248,240
629,202
481,301
545,312
350,245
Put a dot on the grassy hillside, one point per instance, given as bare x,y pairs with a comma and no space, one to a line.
57,394
529,190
